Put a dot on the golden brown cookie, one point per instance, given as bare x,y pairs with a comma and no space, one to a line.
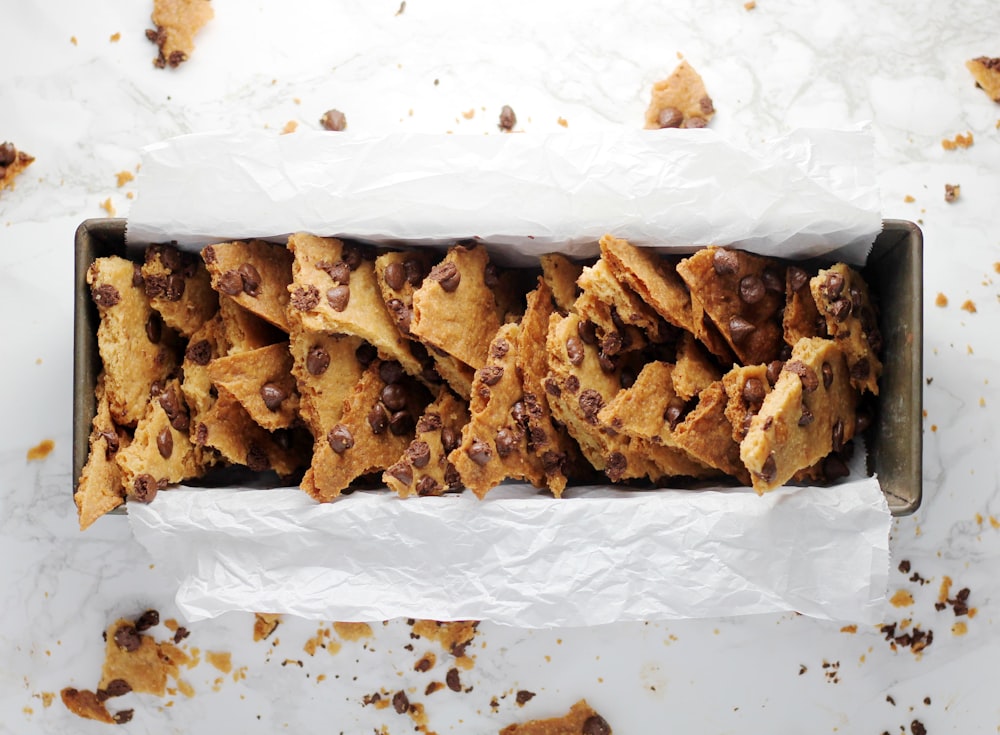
841,296
326,369
137,660
243,330
809,413
255,274
335,291
424,468
746,387
801,318
694,370
454,310
743,294
494,444
680,101
12,164
560,274
261,380
177,22
580,720
136,348
706,434
375,428
205,345
100,488
179,288
986,72
87,704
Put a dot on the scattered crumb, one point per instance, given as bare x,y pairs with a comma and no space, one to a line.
941,300
222,661
934,428
108,207
749,5
334,120
969,306
115,37
175,26
297,100
470,113
802,669
901,598
952,192
41,450
72,40
124,177
562,121
264,624
960,141
130,195
290,127
909,199
968,349
353,631
849,629
402,7
959,628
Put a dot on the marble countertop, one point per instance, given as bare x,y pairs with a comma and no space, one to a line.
80,93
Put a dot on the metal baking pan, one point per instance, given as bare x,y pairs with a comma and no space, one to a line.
894,271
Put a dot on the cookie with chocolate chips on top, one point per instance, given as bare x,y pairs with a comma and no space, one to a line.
580,720
179,288
12,164
707,434
261,380
326,369
680,101
255,274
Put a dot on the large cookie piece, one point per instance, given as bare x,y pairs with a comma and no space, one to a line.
100,488
205,345
841,295
374,429
986,72
12,163
255,274
326,369
136,659
136,348
580,720
809,413
707,435
179,288
743,294
261,380
494,445
801,318
680,101
454,310
424,468
335,291
177,22
560,274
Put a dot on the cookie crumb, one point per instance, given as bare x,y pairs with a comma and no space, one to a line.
470,113
402,8
749,5
124,177
941,300
290,127
849,629
959,141
115,37
41,450
108,207
563,122
909,199
72,40
986,72
901,598
952,192
969,306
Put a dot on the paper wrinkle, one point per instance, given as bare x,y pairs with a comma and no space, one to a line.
521,558
804,194
524,559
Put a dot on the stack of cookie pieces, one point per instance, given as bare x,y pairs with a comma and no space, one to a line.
331,363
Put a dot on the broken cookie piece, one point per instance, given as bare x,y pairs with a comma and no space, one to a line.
581,719
680,101
255,274
424,468
986,72
12,163
100,488
179,288
177,22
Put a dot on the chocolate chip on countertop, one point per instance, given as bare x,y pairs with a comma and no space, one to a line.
395,276
144,488
751,289
128,638
334,120
339,297
452,680
165,442
272,395
400,703
596,725
105,295
670,117
507,119
180,634
317,360
230,283
123,716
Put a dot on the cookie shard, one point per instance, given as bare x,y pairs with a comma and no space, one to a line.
179,288
706,434
12,164
621,307
135,354
145,665
100,489
494,444
746,387
743,294
560,275
841,295
334,290
261,380
243,330
802,317
810,412
255,274
177,22
679,101
694,370
207,344
581,718
986,72
424,468
454,310
326,368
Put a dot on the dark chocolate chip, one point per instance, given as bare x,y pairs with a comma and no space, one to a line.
230,283
524,696
499,349
553,462
572,383
180,634
144,488
146,621
447,276
427,486
552,387
378,419
169,402
257,459
428,422
105,295
400,703
596,725
518,413
507,119
491,374
590,403
505,442
753,391
208,254
833,284
154,328
419,453
740,329
339,272
452,680
806,374
272,395
837,436
305,298
479,452
339,297
402,472
366,354
199,352
827,371
395,275
751,289
615,466
175,287
695,121
834,467
490,277
587,332
797,278
8,153
772,281
770,469
333,120
670,117
449,439
612,344
111,438
137,280
401,422
165,442
353,255
390,372
840,309
122,716
317,360
394,397
774,370
415,271
861,369
674,411
606,363
128,638
807,416
118,687
706,106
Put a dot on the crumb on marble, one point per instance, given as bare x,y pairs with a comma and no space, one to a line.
952,192
941,300
264,625
402,8
982,402
969,306
909,199
353,631
849,629
124,177
108,207
959,141
901,598
290,127
562,121
115,37
41,450
749,5
470,113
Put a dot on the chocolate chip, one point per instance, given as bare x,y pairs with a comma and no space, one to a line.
452,680
499,349
751,289
305,298
137,279
144,488
395,275
317,360
797,278
447,276
180,634
840,309
257,459
806,374
208,254
165,442
230,283
694,122
772,281
596,725
552,387
615,466
449,439
587,332
400,703
154,328
428,422
339,296
419,453
169,402
146,621
807,416
524,696
834,468
128,638
400,423
378,419
670,117
415,271
740,329
390,372
490,277
427,486
122,716
774,370
753,392
393,396
837,436
833,284
199,352
770,469
606,364
333,120
272,395
491,374
519,413
507,119
572,383
590,403
479,452
174,289
861,369
612,344
674,411
505,442
105,295
862,421
117,688
111,438
8,153
402,472
339,272
366,354
827,371
553,462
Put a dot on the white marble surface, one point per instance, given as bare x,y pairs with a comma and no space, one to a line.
85,109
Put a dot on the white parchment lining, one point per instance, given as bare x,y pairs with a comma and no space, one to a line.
521,558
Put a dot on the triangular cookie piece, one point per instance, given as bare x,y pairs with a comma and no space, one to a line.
255,274
424,468
680,101
261,380
100,488
987,74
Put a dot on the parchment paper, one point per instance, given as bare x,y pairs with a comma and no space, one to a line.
520,558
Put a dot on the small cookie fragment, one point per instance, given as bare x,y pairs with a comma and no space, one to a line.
264,624
255,274
261,380
986,72
326,369
560,274
581,719
12,164
952,192
137,660
694,370
680,101
177,22
87,704
179,288
424,468
746,388
707,435
802,317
